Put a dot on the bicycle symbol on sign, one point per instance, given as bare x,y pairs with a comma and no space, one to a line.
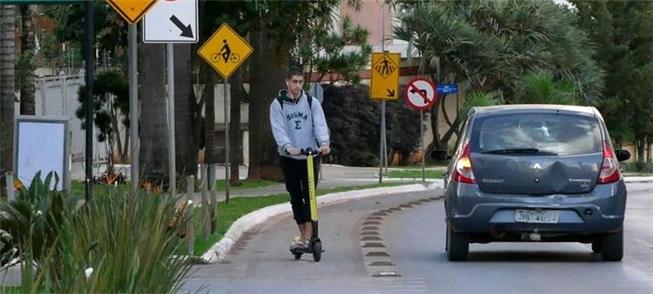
225,54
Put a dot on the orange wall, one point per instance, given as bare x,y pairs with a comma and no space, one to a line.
369,17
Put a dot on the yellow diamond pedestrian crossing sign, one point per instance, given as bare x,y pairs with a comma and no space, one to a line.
384,82
225,50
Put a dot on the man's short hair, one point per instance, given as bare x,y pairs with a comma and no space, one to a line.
294,71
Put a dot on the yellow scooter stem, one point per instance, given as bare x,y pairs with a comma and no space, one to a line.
311,186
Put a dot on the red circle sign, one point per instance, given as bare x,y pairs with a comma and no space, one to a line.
420,93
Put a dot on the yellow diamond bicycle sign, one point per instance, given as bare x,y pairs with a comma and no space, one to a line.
225,50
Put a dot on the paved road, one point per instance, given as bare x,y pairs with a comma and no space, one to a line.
367,239
524,267
261,262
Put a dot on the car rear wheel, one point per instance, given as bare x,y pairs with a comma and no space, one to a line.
612,246
596,245
457,245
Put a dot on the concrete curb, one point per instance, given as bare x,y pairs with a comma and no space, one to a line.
638,179
219,250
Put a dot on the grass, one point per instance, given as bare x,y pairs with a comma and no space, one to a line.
416,174
237,207
10,290
246,184
77,187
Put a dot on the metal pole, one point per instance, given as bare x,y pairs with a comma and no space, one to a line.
171,120
190,227
134,110
9,179
382,145
226,140
90,63
385,144
421,135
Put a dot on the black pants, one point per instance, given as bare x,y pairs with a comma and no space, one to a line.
296,177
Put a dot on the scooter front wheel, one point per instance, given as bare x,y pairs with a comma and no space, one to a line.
317,250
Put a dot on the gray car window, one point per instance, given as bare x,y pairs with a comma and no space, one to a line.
541,133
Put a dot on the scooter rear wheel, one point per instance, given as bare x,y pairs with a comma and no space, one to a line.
297,255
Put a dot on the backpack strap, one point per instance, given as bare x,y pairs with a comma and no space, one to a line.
310,101
308,98
280,101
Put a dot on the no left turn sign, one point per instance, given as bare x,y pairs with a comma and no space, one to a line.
420,93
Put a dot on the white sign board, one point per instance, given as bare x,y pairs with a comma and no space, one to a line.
171,21
42,145
420,94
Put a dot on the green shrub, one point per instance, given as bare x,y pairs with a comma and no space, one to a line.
115,243
638,167
31,219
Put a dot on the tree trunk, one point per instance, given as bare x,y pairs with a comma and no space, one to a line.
186,146
27,89
268,69
235,139
153,119
641,145
7,76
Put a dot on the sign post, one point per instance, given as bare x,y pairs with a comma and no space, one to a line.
421,94
225,51
384,85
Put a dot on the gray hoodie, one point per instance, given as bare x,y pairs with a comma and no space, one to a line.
298,124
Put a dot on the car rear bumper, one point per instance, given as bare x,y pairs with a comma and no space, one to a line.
472,211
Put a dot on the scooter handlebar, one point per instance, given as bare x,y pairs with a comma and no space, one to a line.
307,151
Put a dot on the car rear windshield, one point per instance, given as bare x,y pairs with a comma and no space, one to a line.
536,134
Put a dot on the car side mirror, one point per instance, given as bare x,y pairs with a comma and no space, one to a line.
622,155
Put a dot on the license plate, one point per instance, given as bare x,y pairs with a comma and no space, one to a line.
537,216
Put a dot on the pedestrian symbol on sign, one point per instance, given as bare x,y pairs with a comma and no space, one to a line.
385,67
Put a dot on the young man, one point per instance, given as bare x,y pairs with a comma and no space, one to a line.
298,122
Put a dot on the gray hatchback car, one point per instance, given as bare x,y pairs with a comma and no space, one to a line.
535,173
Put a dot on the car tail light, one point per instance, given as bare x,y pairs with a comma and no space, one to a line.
610,167
463,169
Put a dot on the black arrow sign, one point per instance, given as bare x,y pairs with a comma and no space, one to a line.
391,93
186,31
422,93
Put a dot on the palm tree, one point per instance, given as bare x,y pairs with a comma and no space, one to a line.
27,89
542,88
185,145
153,123
7,76
489,45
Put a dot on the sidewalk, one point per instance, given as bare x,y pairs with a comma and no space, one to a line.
332,176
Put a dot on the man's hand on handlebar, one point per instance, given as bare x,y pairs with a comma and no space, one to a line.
324,149
293,151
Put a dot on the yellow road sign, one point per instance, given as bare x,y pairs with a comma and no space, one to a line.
385,76
131,10
225,50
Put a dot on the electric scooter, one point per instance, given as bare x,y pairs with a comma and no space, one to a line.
315,245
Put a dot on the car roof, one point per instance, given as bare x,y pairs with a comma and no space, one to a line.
498,109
